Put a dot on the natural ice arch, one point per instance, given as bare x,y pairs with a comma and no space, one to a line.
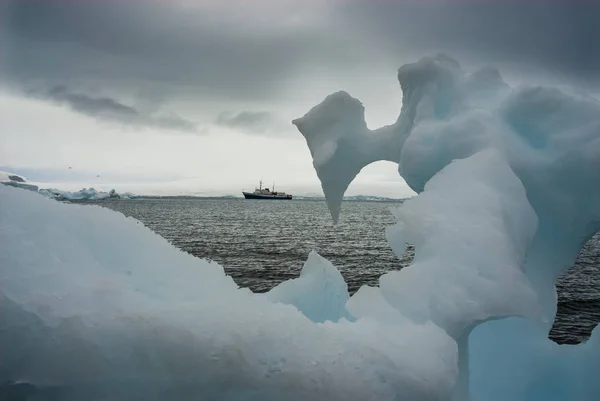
547,138
341,144
550,139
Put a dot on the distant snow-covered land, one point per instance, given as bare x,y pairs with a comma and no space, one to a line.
15,180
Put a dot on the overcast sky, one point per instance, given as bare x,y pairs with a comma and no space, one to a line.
196,96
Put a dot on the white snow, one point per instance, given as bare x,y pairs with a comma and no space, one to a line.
96,306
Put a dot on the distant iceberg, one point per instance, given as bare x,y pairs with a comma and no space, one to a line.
18,181
84,194
15,180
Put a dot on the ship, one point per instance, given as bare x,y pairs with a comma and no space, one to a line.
266,193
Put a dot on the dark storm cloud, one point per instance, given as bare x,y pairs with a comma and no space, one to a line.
112,110
249,51
91,106
556,36
251,122
202,51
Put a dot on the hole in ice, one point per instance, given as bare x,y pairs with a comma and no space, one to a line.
379,180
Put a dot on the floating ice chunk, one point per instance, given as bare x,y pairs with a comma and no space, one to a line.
320,292
95,305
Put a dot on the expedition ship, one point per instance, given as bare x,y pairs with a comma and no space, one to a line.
265,193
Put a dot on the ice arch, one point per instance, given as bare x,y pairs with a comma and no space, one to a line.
515,167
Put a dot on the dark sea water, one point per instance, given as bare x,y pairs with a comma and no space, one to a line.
262,243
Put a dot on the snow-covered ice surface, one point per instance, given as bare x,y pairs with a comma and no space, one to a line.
94,305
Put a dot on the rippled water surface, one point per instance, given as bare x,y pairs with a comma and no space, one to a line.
262,243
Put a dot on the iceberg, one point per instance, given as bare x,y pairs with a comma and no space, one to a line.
83,194
508,182
320,292
93,305
15,180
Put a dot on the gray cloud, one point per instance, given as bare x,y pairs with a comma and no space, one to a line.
556,36
112,110
250,51
197,50
252,122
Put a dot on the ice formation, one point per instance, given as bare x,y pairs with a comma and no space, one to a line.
509,183
83,194
95,306
320,292
15,180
